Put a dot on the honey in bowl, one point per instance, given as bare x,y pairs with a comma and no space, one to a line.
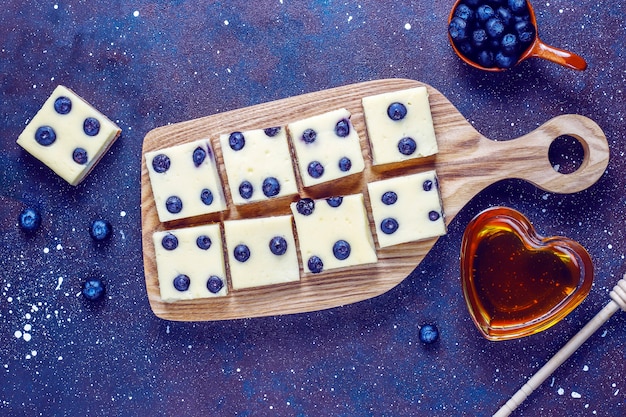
516,282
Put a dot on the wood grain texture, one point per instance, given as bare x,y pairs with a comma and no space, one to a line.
467,162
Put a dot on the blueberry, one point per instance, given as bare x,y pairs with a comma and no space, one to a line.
206,196
204,242
505,15
525,32
433,215
214,284
278,245
407,146
199,155
466,48
473,3
161,163
427,185
315,264
345,164
315,169
518,6
306,206
484,12
464,12
91,126
241,253
396,111
100,230
271,131
334,201
246,189
181,282
458,29
342,128
174,204
62,105
389,225
495,27
429,333
236,141
45,136
169,242
504,61
341,250
479,38
93,289
389,198
485,58
509,43
29,219
80,156
271,187
309,136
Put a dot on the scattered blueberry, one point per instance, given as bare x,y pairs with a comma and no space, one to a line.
315,264
161,163
271,187
427,185
91,126
389,225
271,131
199,155
236,141
174,204
309,136
100,230
169,242
62,105
389,198
315,169
29,219
334,201
433,215
204,242
429,334
407,146
45,136
345,164
246,189
278,245
305,206
396,111
214,284
341,250
80,156
342,129
241,253
93,289
181,282
206,196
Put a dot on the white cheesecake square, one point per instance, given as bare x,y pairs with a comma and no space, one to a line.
258,165
185,181
190,263
68,135
261,251
327,147
399,125
407,209
333,233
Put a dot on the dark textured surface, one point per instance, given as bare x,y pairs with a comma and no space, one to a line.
146,64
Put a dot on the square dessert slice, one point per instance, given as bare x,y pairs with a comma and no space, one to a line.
261,251
68,135
333,233
190,263
406,209
185,181
258,165
399,125
327,147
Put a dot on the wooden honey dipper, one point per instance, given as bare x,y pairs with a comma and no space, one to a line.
618,300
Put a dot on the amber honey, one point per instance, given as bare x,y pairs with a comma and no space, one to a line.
515,282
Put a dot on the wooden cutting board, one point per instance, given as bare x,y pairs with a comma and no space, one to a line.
467,162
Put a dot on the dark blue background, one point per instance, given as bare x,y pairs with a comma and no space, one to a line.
178,60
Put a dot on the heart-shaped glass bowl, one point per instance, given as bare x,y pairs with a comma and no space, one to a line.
515,282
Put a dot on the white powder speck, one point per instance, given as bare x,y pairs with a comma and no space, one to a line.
18,334
27,316
122,213
59,282
60,358
27,337
27,327
560,391
226,22
56,6
576,395
610,246
10,299
33,352
46,250
585,368
136,13
59,247
407,26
